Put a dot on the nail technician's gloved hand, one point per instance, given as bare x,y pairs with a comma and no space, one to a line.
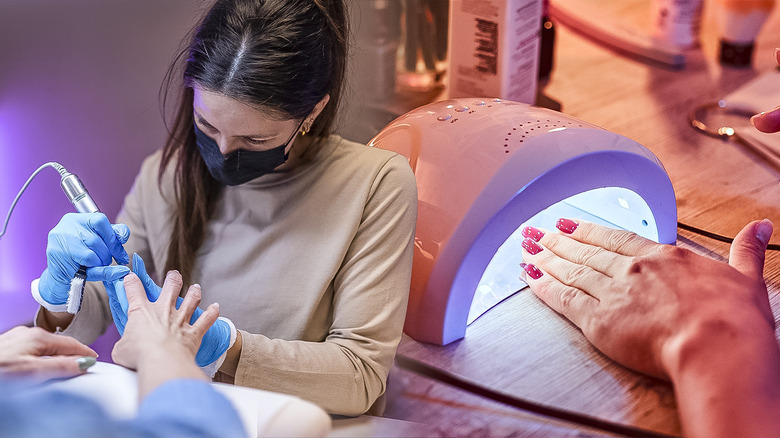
217,340
81,239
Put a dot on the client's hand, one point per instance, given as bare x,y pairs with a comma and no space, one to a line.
215,342
642,303
768,121
39,355
158,339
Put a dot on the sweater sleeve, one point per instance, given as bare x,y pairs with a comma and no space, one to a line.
169,411
347,372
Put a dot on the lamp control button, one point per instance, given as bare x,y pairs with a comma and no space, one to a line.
479,103
444,117
497,100
461,109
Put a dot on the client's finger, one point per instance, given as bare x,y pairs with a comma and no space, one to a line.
206,319
595,257
50,344
570,274
171,288
569,301
767,121
134,292
619,241
55,367
749,247
189,303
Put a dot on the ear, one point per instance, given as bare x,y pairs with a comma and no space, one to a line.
316,112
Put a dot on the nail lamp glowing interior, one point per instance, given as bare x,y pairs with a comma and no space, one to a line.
487,167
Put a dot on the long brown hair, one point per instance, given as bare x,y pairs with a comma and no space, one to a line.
280,55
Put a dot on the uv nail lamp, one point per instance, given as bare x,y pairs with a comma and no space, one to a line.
486,168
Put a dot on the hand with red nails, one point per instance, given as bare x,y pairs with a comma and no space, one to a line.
768,121
670,313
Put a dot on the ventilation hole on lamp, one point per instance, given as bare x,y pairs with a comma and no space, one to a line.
644,223
514,129
506,152
521,141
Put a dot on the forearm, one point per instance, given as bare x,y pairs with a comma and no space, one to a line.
88,324
727,381
165,363
325,373
53,321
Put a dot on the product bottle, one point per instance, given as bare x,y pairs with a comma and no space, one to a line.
494,49
547,43
739,22
677,22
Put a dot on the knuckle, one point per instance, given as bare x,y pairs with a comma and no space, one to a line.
566,298
672,252
174,279
571,275
622,239
585,254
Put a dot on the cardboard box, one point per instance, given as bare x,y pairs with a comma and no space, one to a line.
494,48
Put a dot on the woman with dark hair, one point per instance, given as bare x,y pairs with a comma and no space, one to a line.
304,238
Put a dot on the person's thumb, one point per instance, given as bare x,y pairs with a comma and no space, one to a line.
749,247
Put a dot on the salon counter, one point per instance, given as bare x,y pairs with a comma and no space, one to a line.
525,349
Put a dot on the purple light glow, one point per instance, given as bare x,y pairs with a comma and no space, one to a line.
78,85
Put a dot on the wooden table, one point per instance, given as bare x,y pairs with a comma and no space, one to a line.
526,349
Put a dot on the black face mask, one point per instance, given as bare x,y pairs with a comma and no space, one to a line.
240,165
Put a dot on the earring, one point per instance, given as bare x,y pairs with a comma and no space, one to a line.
306,128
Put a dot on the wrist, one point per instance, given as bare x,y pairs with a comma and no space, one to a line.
726,376
717,338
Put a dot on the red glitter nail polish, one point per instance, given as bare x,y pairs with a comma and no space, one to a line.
566,225
533,233
532,271
531,246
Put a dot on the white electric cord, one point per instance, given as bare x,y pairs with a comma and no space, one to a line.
53,164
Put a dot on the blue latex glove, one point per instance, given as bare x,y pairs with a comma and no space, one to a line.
214,343
82,239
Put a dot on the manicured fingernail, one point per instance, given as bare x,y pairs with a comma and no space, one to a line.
171,273
531,246
533,233
85,362
532,271
753,119
522,273
777,50
566,225
764,231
